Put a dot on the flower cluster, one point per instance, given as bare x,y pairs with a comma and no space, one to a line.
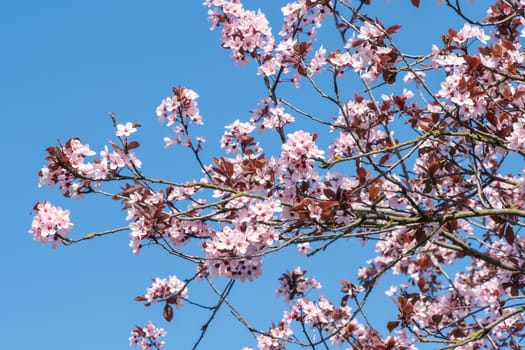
271,118
147,337
153,216
298,156
171,288
181,110
441,199
67,166
50,224
243,243
244,32
329,319
237,138
295,284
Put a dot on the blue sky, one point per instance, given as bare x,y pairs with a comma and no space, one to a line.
64,66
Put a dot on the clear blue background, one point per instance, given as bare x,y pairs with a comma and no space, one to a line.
63,66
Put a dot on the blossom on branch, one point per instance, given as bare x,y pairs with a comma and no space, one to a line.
50,224
420,184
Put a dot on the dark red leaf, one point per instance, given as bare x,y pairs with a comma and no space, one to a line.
472,61
437,318
329,193
391,325
347,285
357,43
422,285
168,312
509,234
393,29
389,76
385,158
228,167
302,70
373,191
433,167
133,144
361,172
415,3
172,299
420,236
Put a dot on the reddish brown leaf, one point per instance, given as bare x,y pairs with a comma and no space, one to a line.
508,45
420,236
472,61
385,158
373,191
328,204
357,43
115,146
432,167
415,3
509,234
391,325
393,29
437,318
389,76
168,312
302,70
361,173
140,331
422,285
133,144
497,50
172,299
347,285
329,193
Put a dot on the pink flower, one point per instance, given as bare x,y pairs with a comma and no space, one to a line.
369,31
391,291
462,99
468,32
304,248
317,62
517,137
339,59
125,129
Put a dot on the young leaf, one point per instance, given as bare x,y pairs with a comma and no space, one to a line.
168,312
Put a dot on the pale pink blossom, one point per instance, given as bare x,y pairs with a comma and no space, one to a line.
125,129
369,31
317,62
468,32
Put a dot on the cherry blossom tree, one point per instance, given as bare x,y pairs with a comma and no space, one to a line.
418,157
